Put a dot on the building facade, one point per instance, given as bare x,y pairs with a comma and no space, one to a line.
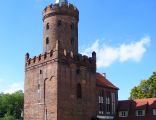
140,109
60,83
107,95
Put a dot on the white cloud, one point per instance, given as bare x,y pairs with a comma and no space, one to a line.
13,88
107,55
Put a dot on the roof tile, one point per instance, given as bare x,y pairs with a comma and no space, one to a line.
103,81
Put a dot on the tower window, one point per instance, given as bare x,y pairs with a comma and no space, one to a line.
72,41
78,71
40,71
47,26
72,26
79,91
38,86
59,23
47,40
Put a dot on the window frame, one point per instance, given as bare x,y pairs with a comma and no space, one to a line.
140,111
123,113
154,111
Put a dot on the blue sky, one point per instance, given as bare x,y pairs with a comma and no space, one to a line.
122,32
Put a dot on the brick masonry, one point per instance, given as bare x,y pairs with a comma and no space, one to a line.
51,78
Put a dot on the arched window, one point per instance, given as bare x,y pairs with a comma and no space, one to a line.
79,91
47,26
47,40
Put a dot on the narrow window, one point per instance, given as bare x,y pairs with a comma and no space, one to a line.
40,71
79,91
100,109
47,40
46,114
47,26
113,103
107,105
59,23
72,26
78,71
72,41
38,88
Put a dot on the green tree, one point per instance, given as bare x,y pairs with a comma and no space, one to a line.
8,117
11,106
146,88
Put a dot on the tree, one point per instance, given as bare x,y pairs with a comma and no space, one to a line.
146,88
11,105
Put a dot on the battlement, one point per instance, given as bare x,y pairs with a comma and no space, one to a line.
79,59
37,59
63,9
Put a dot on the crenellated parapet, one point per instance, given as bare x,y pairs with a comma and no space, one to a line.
79,59
63,9
38,59
67,58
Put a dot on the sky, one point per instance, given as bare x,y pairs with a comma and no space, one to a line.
122,32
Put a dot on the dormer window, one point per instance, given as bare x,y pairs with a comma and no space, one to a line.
140,112
154,111
123,113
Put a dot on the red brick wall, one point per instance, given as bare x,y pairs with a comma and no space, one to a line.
51,78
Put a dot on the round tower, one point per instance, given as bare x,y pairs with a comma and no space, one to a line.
60,22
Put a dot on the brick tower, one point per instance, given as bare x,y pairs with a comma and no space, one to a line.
60,83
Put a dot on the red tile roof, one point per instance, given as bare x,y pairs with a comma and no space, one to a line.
148,101
103,81
138,103
132,105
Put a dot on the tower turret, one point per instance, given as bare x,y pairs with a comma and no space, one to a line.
60,24
61,1
60,83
